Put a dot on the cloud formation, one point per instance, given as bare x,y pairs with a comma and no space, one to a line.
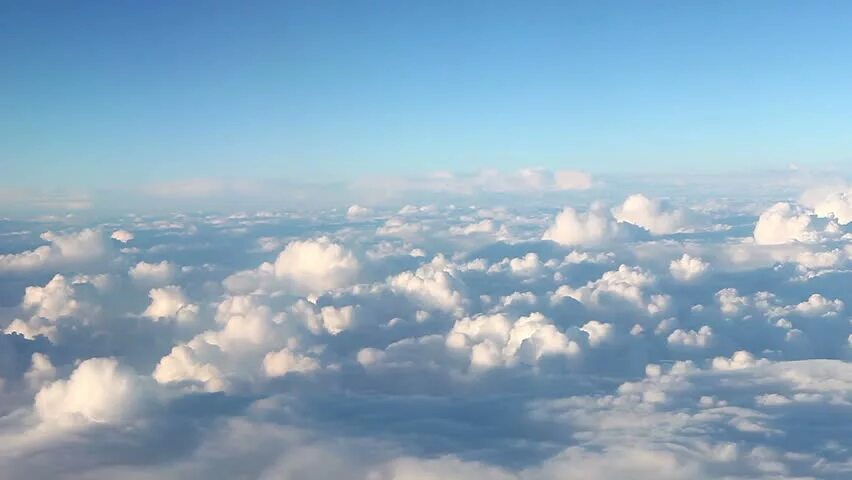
624,337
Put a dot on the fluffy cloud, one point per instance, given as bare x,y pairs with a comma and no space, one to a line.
304,266
284,361
442,342
170,303
99,390
62,251
357,211
588,228
784,223
830,202
494,340
626,284
160,273
653,215
122,236
688,268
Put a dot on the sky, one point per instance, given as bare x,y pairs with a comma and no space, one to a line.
125,93
370,240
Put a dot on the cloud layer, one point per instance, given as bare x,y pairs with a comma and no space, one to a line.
620,335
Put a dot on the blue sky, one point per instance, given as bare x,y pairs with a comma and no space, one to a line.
99,94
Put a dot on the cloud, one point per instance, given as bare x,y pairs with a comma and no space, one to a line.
589,228
99,390
170,302
304,266
830,202
688,268
435,341
357,211
784,223
122,236
654,215
62,251
160,273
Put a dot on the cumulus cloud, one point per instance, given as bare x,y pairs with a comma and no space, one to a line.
830,202
304,266
357,211
688,268
654,215
588,228
444,341
170,302
160,273
784,223
63,250
99,390
122,236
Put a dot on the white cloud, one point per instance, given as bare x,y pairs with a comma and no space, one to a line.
150,274
407,359
688,268
41,371
48,305
62,250
284,361
784,223
170,302
303,267
483,226
589,228
691,338
830,202
494,340
356,211
434,285
626,284
654,215
122,236
99,390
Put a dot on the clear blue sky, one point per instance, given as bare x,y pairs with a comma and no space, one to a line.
96,93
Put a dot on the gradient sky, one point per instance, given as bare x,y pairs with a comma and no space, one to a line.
104,93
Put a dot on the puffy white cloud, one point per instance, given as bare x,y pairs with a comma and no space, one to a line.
434,285
99,390
494,340
598,332
730,302
589,228
398,227
170,302
303,267
122,236
626,284
48,305
817,305
54,300
653,215
831,202
688,268
483,226
161,273
691,338
62,250
784,223
739,360
41,371
316,265
484,328
284,361
357,211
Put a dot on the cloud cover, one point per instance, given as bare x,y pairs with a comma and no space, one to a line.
621,337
